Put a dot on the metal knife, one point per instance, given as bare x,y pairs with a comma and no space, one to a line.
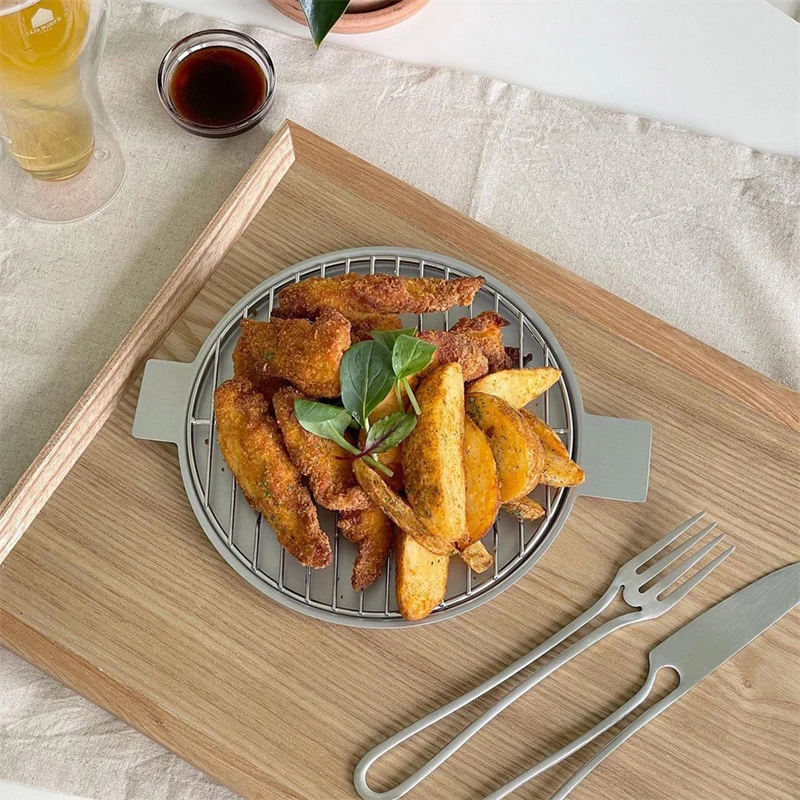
694,651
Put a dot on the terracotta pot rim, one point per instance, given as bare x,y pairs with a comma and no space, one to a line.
359,21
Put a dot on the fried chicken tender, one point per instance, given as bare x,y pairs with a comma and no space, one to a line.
486,330
329,468
249,369
373,534
362,325
251,445
455,347
305,354
384,294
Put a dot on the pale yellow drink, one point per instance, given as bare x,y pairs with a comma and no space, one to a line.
45,120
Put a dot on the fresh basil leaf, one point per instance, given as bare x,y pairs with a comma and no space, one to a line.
410,355
366,376
388,338
389,431
322,15
326,421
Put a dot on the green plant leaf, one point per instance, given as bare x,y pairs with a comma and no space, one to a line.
322,15
388,432
321,419
366,376
388,338
410,355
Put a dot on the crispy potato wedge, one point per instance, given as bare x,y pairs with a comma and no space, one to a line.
483,486
421,577
433,455
397,509
476,557
524,508
517,450
390,458
372,532
516,386
559,469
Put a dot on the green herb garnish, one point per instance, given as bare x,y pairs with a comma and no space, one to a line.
368,372
366,377
321,419
410,356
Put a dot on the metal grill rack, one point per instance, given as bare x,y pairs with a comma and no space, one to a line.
246,540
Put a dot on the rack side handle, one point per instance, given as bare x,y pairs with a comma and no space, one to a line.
163,399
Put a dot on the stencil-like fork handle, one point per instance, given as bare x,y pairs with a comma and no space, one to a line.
565,752
619,739
360,775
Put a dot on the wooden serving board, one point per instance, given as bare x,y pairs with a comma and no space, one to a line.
114,589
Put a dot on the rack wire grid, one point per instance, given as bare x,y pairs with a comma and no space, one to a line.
327,593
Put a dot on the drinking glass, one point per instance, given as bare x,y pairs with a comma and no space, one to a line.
61,159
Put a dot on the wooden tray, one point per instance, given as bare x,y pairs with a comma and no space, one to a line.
115,590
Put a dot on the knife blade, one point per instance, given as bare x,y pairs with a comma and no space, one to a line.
708,641
705,643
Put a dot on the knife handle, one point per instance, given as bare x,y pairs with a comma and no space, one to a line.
619,739
556,758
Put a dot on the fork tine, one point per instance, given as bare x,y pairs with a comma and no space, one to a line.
659,566
685,588
684,567
656,548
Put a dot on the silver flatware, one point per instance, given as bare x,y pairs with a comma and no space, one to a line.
631,578
694,652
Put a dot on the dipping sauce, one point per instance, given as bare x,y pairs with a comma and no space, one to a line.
217,86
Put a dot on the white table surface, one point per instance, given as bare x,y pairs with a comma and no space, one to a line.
728,68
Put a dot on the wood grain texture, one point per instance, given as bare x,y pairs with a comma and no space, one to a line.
115,590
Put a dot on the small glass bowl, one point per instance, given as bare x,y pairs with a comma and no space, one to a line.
216,38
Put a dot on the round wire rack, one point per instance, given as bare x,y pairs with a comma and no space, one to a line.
247,542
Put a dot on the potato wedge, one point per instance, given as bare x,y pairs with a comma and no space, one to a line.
524,508
517,450
516,386
483,486
476,557
559,469
390,458
397,509
421,577
433,455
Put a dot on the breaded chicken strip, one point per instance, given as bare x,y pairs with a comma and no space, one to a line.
251,445
486,330
362,325
329,468
306,354
384,294
249,369
373,534
455,347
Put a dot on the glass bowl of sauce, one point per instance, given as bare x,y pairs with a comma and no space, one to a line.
217,83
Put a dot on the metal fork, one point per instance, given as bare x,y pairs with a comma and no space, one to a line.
651,602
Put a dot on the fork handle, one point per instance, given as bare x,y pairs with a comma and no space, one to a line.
619,739
581,741
360,775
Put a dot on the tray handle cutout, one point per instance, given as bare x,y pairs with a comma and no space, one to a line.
163,399
615,453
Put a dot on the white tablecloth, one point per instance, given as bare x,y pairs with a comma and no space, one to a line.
703,233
